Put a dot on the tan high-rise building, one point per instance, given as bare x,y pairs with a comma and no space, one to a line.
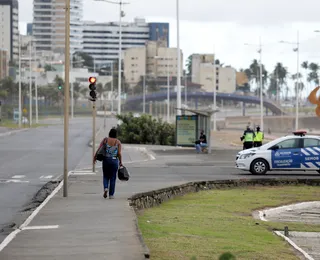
159,61
198,59
9,27
49,25
4,69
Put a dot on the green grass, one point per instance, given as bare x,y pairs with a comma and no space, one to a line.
11,124
209,223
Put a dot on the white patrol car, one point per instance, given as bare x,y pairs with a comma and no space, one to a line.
297,152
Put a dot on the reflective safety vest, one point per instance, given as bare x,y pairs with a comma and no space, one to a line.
248,137
259,137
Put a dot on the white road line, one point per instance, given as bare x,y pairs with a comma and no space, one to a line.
46,177
16,181
40,227
306,255
18,176
80,173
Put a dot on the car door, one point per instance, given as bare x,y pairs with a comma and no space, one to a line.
310,153
286,154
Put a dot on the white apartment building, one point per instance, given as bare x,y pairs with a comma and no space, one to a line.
224,78
198,59
101,40
49,25
152,60
9,27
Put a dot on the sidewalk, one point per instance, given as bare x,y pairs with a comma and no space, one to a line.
85,225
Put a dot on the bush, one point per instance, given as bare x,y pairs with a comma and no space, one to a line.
145,130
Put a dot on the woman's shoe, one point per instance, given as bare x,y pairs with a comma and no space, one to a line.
111,197
105,194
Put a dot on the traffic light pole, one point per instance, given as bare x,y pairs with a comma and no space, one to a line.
93,135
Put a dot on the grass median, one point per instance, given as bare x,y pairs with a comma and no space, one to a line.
207,224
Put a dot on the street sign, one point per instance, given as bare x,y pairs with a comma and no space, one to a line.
25,111
186,130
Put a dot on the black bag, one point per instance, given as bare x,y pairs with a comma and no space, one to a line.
123,174
102,151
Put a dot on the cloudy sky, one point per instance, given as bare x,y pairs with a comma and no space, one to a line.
223,27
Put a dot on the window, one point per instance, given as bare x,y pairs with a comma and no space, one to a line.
289,144
310,142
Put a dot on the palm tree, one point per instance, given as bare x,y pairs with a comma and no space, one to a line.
254,74
280,74
313,75
305,66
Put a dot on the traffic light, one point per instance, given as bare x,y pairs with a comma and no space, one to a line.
59,87
92,88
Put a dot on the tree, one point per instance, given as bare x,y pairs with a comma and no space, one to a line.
313,75
279,79
253,74
189,66
83,60
48,67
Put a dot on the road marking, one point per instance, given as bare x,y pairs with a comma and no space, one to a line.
18,176
16,181
80,173
46,177
40,227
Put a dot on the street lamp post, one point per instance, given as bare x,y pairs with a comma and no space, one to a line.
66,97
20,106
214,81
168,91
297,77
179,63
144,94
30,86
72,89
36,87
261,83
120,3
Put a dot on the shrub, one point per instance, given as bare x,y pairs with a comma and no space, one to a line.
145,130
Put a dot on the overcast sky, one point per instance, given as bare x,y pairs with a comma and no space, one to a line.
224,27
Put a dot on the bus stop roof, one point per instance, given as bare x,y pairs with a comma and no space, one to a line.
204,112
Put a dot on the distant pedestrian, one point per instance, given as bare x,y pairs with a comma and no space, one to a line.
201,144
111,162
247,138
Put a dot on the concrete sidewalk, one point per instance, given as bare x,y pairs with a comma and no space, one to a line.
85,225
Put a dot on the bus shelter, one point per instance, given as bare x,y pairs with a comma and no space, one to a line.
188,127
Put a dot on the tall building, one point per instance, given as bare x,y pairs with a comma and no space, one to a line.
49,25
3,64
153,60
9,27
159,31
29,29
101,40
198,59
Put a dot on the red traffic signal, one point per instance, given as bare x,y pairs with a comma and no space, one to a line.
92,80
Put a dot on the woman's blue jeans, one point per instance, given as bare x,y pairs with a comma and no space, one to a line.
110,168
199,146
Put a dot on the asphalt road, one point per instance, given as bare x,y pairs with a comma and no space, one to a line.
30,159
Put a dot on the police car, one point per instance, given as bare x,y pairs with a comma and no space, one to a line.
297,152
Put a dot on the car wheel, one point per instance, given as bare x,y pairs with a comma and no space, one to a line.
259,167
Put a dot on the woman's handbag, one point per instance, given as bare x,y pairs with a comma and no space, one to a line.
123,174
102,151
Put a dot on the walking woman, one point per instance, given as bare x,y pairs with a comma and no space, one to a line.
111,162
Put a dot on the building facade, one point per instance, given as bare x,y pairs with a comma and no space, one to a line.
152,60
48,27
101,40
4,69
9,27
159,31
198,59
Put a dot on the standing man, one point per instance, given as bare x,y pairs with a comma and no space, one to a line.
259,136
248,137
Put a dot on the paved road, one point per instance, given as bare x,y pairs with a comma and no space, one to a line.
30,159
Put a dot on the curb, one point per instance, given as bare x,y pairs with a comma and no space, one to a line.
90,143
13,132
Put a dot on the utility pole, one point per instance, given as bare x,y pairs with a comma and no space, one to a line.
144,94
179,63
112,87
20,106
36,87
30,87
66,97
261,86
72,89
120,59
93,134
297,83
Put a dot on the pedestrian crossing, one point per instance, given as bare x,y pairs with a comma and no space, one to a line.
19,179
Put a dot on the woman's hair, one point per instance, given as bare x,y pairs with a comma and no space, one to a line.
113,133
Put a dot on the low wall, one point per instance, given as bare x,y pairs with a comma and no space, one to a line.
157,197
278,124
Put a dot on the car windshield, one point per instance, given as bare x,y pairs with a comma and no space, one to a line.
271,143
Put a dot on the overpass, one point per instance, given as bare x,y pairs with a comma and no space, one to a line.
132,101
